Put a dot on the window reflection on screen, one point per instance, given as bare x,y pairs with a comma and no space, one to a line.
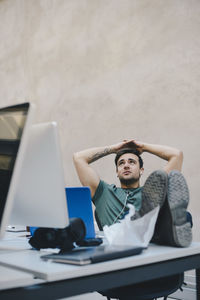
12,121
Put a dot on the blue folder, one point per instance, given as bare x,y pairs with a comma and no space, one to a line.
79,205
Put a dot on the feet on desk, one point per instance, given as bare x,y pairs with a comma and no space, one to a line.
172,227
153,193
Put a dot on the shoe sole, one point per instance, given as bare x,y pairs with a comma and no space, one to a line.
178,199
154,191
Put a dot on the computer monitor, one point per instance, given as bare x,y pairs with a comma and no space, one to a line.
40,198
14,124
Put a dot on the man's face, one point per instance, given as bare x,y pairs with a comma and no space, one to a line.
128,169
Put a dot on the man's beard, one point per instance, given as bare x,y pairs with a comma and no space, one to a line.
129,181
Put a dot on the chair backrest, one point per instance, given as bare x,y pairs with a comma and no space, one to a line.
155,288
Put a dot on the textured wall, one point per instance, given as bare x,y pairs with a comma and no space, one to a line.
108,70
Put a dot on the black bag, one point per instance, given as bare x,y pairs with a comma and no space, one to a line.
59,238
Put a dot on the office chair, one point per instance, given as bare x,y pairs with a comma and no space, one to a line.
148,290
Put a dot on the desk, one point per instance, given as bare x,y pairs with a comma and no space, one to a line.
11,277
67,280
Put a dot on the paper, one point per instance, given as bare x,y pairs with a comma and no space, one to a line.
136,233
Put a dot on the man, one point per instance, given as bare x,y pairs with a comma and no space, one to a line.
166,188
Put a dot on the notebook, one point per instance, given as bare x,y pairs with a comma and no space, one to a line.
84,256
79,205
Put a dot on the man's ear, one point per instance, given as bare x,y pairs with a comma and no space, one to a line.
141,171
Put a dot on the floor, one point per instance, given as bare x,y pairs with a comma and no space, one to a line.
91,296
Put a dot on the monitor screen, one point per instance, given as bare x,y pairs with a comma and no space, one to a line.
40,198
14,122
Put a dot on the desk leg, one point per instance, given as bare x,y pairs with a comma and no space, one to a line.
198,283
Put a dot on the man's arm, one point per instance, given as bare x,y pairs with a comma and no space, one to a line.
83,159
173,156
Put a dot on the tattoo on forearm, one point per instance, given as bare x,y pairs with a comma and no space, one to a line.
99,155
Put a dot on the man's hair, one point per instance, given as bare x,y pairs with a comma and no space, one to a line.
133,151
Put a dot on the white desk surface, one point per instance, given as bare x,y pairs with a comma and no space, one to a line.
30,261
14,278
14,241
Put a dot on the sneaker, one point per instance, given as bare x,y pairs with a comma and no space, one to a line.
153,193
172,227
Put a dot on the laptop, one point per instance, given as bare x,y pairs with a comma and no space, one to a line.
84,256
79,205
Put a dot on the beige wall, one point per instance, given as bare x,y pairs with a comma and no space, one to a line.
108,70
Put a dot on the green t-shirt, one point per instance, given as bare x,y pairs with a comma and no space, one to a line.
111,202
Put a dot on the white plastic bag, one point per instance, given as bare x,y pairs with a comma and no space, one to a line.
136,233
